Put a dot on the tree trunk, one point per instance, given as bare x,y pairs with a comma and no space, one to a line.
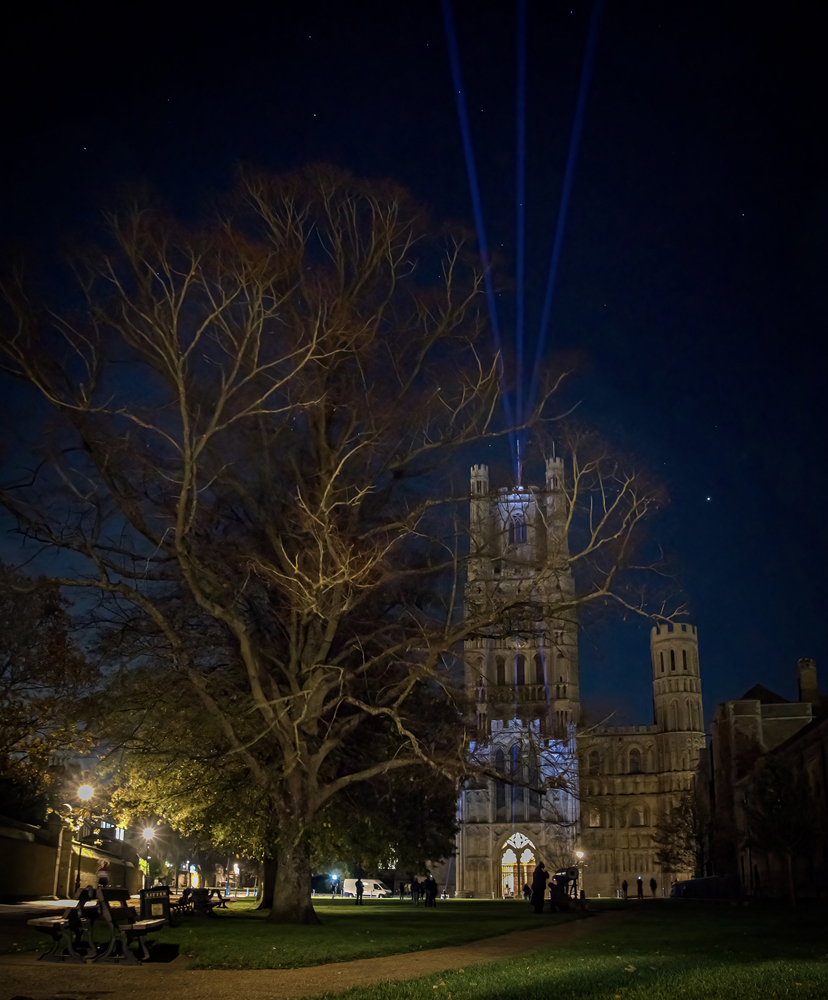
268,880
791,884
292,887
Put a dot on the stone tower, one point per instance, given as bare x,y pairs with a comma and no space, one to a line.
677,702
521,674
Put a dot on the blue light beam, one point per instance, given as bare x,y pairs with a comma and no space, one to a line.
520,201
474,188
569,174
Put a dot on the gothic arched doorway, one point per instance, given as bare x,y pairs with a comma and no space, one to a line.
516,865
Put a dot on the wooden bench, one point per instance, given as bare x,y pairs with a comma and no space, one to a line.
71,931
124,928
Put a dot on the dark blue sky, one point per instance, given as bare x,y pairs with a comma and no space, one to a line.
692,277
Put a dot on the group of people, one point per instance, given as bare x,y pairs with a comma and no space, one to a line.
653,887
536,893
427,889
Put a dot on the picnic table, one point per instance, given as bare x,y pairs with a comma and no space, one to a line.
71,932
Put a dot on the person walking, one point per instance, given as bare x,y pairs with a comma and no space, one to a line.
653,886
360,888
527,892
640,887
540,876
624,889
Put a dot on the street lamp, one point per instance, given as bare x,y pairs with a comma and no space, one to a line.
85,793
148,834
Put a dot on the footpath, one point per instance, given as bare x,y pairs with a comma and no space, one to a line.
22,977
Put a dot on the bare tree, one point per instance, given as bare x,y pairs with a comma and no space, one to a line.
253,416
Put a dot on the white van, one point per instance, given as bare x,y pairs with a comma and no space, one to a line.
370,888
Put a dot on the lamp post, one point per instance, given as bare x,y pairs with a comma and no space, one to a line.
149,833
580,856
85,793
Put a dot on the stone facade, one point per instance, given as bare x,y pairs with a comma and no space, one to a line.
632,775
600,791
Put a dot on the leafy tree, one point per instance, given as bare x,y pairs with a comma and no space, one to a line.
779,815
680,835
255,416
44,680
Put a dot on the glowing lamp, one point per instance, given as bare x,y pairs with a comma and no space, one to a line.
85,792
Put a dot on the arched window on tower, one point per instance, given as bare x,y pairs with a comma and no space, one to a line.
517,530
636,816
520,669
684,658
500,666
672,659
594,763
635,761
538,668
673,716
533,778
661,657
594,817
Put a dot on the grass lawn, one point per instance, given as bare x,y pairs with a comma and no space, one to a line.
671,949
239,938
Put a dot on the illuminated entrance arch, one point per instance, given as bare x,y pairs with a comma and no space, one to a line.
516,865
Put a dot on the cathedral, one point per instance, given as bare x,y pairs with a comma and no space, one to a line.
568,796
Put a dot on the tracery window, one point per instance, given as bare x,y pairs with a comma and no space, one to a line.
500,665
635,761
520,669
517,530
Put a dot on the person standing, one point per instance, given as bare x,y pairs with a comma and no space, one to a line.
360,888
640,887
540,877
653,886
402,890
415,891
624,889
103,874
430,886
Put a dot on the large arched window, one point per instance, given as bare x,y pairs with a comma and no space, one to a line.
635,761
517,530
500,666
500,761
594,762
520,669
538,668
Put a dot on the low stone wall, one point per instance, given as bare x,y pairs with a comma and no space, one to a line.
43,861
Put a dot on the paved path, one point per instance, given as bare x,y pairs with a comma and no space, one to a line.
22,977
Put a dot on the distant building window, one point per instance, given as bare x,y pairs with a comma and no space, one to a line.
635,761
672,659
594,763
501,670
520,670
684,658
517,530
538,668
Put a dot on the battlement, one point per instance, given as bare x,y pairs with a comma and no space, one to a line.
480,472
620,730
673,630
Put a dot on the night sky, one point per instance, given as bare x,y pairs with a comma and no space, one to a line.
692,268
